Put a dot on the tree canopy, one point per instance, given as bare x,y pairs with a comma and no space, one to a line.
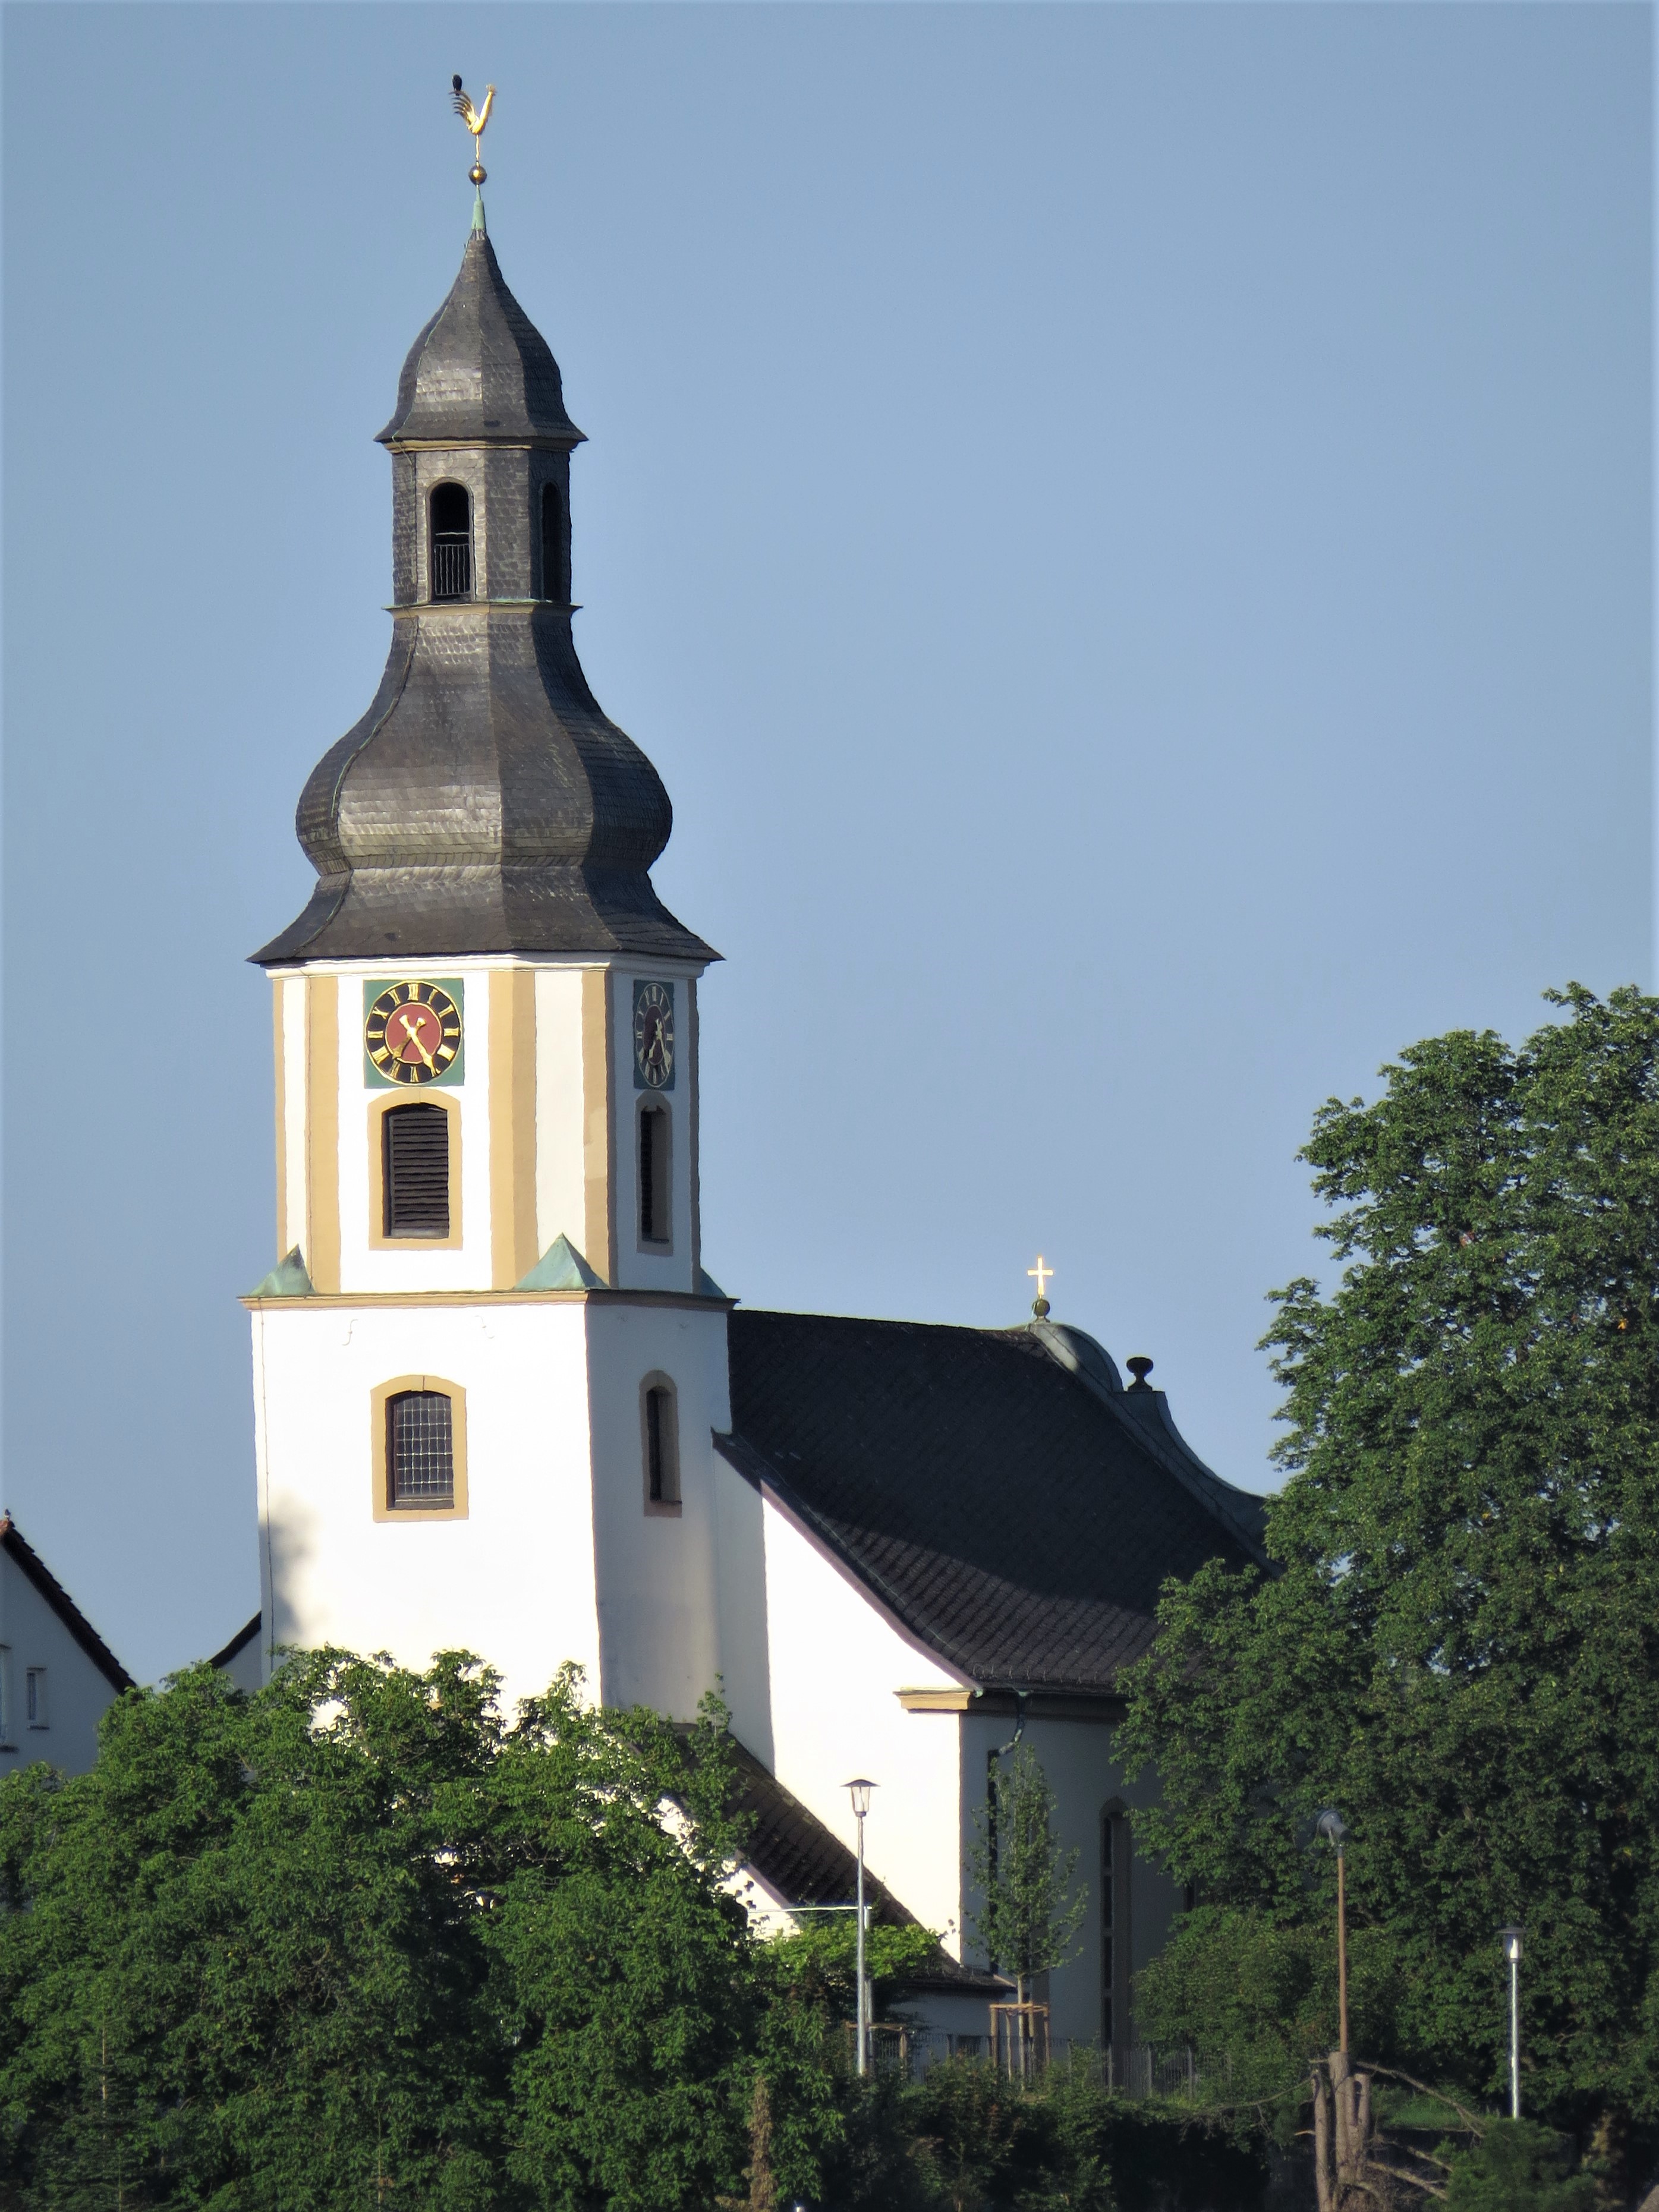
354,1941
1457,1644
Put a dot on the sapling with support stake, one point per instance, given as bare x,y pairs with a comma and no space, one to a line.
1028,1916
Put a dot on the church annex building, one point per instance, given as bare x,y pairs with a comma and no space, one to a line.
499,1404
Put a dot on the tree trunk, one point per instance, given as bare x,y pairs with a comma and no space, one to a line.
1324,2173
1348,2131
763,2188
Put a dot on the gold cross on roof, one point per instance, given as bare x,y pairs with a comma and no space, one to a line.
1044,1276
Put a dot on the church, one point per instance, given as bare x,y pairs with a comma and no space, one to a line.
500,1404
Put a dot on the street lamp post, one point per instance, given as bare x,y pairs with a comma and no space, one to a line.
859,1791
1332,1827
1511,1939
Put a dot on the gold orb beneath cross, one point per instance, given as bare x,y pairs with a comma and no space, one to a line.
477,173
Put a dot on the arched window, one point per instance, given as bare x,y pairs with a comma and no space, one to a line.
661,1436
1115,1957
414,1170
451,566
656,1183
556,582
420,1449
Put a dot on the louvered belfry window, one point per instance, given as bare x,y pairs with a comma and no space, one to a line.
451,541
420,1448
415,1160
656,1218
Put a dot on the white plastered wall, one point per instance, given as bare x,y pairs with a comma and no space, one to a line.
1079,1763
560,1124
77,1693
514,1580
836,1663
658,1572
291,1108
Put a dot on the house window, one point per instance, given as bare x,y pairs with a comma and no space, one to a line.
556,584
451,568
420,1449
35,1697
655,1182
659,1419
414,1170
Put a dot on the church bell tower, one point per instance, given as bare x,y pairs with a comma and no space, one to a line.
487,1370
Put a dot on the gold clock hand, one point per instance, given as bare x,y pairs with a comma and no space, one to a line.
412,1032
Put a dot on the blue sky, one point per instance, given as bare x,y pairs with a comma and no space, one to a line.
1125,529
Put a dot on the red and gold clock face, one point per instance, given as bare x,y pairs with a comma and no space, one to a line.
413,1033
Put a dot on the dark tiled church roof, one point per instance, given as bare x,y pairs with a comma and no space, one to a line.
1017,1514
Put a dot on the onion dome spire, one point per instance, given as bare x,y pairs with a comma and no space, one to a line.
484,804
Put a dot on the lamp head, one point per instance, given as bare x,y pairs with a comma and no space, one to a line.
1331,1825
858,1790
1511,1939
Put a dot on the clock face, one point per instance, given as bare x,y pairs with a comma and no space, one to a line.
413,1032
654,1036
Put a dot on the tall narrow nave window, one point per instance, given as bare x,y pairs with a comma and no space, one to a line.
1114,1959
420,1449
1108,1932
656,1188
451,541
414,1170
662,1446
556,584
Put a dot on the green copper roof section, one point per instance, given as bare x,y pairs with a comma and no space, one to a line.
288,1278
477,212
706,1286
562,1267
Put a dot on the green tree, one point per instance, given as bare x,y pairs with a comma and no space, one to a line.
1517,2167
1027,1917
355,1942
1458,1646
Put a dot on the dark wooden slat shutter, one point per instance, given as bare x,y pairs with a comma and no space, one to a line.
415,1151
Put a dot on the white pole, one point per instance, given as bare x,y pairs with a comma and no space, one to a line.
864,2025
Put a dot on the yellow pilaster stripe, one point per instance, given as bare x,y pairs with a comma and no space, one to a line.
693,1134
513,1251
322,1091
600,1238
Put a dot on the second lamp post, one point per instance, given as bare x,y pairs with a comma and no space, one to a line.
859,1791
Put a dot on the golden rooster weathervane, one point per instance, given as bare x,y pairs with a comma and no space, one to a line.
475,119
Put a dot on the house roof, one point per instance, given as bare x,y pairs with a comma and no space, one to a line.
238,1643
1010,1507
30,1563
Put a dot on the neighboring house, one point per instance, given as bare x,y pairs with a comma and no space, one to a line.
58,1676
499,1404
240,1659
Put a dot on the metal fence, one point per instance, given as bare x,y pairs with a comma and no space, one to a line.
1174,2073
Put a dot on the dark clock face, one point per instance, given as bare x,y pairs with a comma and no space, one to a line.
653,1035
413,1032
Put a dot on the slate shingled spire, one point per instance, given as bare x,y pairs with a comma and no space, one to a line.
484,804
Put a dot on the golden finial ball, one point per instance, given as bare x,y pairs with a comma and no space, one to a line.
477,173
